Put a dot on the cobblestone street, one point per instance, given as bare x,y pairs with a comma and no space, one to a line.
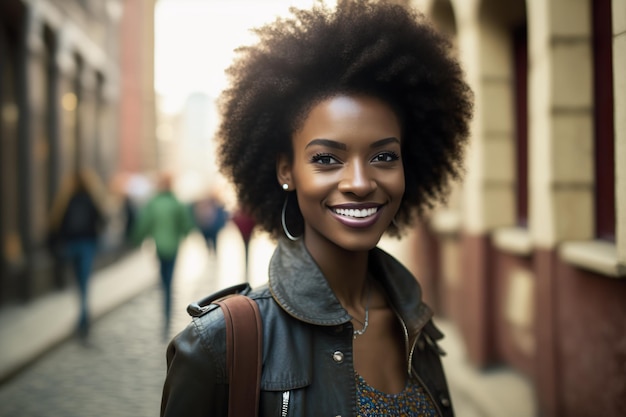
120,371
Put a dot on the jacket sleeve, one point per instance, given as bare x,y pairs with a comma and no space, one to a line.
194,385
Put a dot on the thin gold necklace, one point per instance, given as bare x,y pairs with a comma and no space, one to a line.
356,332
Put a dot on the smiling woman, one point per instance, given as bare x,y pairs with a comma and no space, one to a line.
347,171
338,126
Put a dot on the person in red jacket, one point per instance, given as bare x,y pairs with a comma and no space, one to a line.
245,224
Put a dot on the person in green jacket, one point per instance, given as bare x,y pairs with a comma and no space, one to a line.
167,221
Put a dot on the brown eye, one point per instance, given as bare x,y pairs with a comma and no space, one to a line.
386,157
324,159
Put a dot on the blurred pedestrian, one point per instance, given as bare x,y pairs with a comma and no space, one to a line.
125,207
340,125
167,222
245,224
76,223
210,217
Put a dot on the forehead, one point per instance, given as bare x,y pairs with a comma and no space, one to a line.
348,118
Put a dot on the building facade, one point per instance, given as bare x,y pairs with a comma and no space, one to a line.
528,258
77,91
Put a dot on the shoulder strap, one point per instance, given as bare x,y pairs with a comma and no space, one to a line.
244,350
203,306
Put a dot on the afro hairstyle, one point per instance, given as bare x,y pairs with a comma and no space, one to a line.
379,49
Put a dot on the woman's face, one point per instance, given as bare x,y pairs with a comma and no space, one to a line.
347,171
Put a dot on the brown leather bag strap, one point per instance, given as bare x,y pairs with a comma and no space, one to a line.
244,353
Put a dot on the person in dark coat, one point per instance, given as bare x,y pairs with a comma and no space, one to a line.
210,217
77,221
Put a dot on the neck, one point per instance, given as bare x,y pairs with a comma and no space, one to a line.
345,271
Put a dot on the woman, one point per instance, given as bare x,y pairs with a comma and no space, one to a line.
339,125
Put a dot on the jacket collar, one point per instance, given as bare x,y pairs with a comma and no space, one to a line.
299,287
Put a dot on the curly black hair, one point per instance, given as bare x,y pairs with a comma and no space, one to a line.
360,47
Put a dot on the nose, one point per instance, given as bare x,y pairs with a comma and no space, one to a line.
357,180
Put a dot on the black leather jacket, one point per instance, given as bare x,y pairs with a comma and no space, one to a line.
307,344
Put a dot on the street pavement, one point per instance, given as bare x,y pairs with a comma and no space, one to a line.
121,368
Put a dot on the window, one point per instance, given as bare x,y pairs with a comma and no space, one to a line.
604,137
520,61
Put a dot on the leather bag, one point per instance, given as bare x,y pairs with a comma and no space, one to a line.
244,354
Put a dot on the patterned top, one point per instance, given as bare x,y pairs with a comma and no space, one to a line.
412,401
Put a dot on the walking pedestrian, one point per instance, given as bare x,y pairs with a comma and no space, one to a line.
167,222
245,224
77,220
339,125
210,217
125,206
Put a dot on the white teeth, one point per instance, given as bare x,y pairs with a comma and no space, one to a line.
358,213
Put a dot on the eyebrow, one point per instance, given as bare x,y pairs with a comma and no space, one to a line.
338,145
385,141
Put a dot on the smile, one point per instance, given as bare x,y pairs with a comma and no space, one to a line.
355,217
356,213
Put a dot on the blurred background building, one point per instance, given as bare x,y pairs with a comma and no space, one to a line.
77,90
527,259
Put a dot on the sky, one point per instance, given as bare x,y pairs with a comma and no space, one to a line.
195,39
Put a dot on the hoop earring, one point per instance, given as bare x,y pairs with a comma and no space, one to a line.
283,215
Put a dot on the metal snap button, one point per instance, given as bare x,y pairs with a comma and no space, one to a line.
445,401
338,357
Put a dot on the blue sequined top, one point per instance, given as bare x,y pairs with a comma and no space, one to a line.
412,401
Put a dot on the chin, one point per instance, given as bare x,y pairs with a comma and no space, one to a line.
358,243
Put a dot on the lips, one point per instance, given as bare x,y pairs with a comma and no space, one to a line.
357,215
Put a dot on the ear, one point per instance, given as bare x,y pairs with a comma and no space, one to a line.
283,170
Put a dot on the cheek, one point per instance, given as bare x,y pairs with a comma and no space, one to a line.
311,196
395,184
401,184
313,184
